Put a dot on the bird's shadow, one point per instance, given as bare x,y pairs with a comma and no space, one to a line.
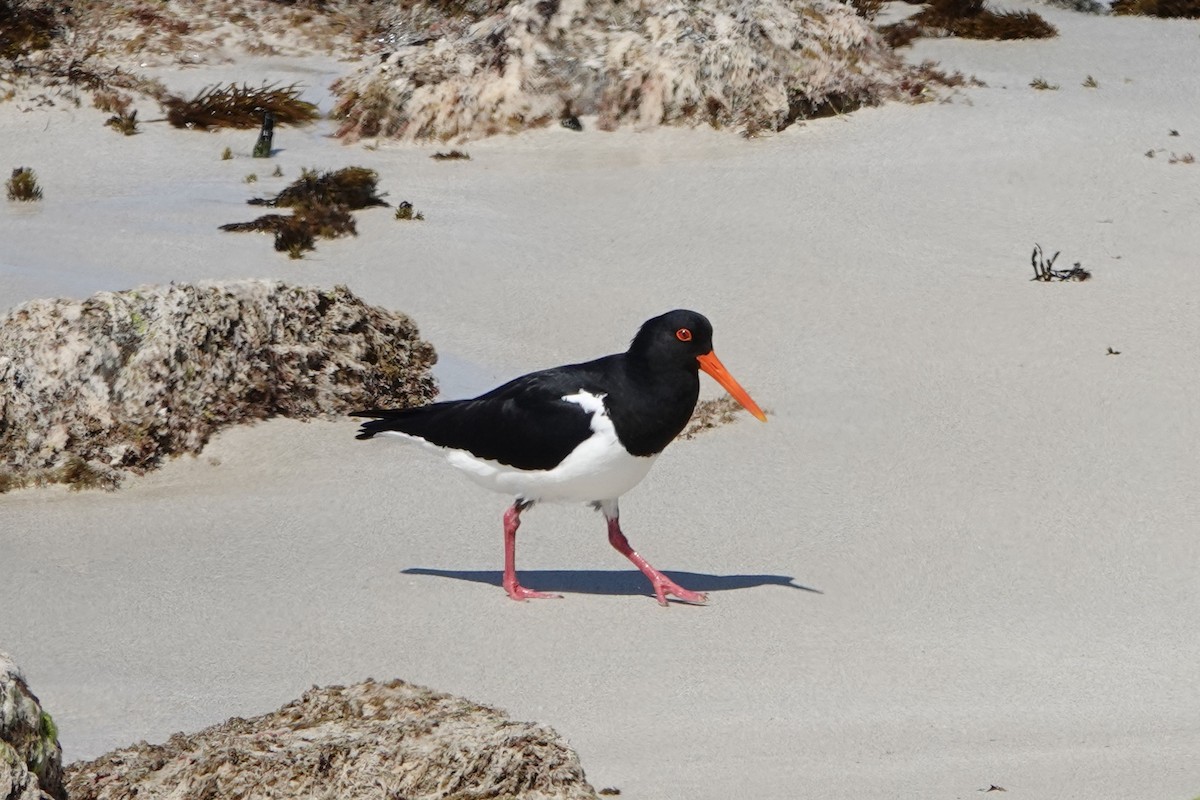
612,582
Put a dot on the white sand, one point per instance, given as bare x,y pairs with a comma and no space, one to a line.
1000,517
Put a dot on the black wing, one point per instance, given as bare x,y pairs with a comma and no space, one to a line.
524,423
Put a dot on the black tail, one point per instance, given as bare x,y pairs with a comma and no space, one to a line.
384,419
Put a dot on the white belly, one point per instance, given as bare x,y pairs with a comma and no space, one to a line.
600,468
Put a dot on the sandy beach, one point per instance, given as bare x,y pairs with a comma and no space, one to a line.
963,552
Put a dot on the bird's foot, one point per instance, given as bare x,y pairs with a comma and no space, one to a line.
518,592
664,586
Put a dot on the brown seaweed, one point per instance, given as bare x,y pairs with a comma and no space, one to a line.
242,106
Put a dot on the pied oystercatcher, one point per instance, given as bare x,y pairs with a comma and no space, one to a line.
583,432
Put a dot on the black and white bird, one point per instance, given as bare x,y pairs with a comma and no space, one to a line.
583,432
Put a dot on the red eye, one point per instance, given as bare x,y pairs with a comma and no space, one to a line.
683,335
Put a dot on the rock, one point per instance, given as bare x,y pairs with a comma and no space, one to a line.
118,382
30,757
749,65
361,742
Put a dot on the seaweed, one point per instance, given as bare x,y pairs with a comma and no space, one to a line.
1082,6
710,414
929,73
1184,9
79,474
968,19
1044,271
111,101
353,187
123,122
297,233
405,211
24,29
453,155
23,185
242,106
321,204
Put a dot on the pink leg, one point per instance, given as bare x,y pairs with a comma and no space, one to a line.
663,585
512,521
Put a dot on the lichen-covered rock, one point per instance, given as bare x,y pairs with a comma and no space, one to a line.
361,742
752,64
30,757
123,379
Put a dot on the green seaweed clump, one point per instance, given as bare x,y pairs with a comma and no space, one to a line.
242,106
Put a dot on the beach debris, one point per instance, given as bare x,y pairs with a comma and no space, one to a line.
968,19
1184,9
358,742
747,65
610,791
1090,83
25,28
262,147
1043,85
709,414
453,155
1081,6
321,204
122,381
352,187
30,755
1113,352
124,122
23,186
994,788
1172,132
235,106
405,212
1043,268
571,123
1186,158
111,101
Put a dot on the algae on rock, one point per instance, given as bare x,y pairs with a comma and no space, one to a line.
30,756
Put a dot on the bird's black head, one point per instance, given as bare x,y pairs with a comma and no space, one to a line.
677,338
682,340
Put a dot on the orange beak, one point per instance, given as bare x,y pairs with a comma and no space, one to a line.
713,366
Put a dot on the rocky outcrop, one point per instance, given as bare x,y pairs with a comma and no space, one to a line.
122,380
30,757
754,65
361,742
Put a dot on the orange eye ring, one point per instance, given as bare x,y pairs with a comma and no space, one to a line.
683,335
